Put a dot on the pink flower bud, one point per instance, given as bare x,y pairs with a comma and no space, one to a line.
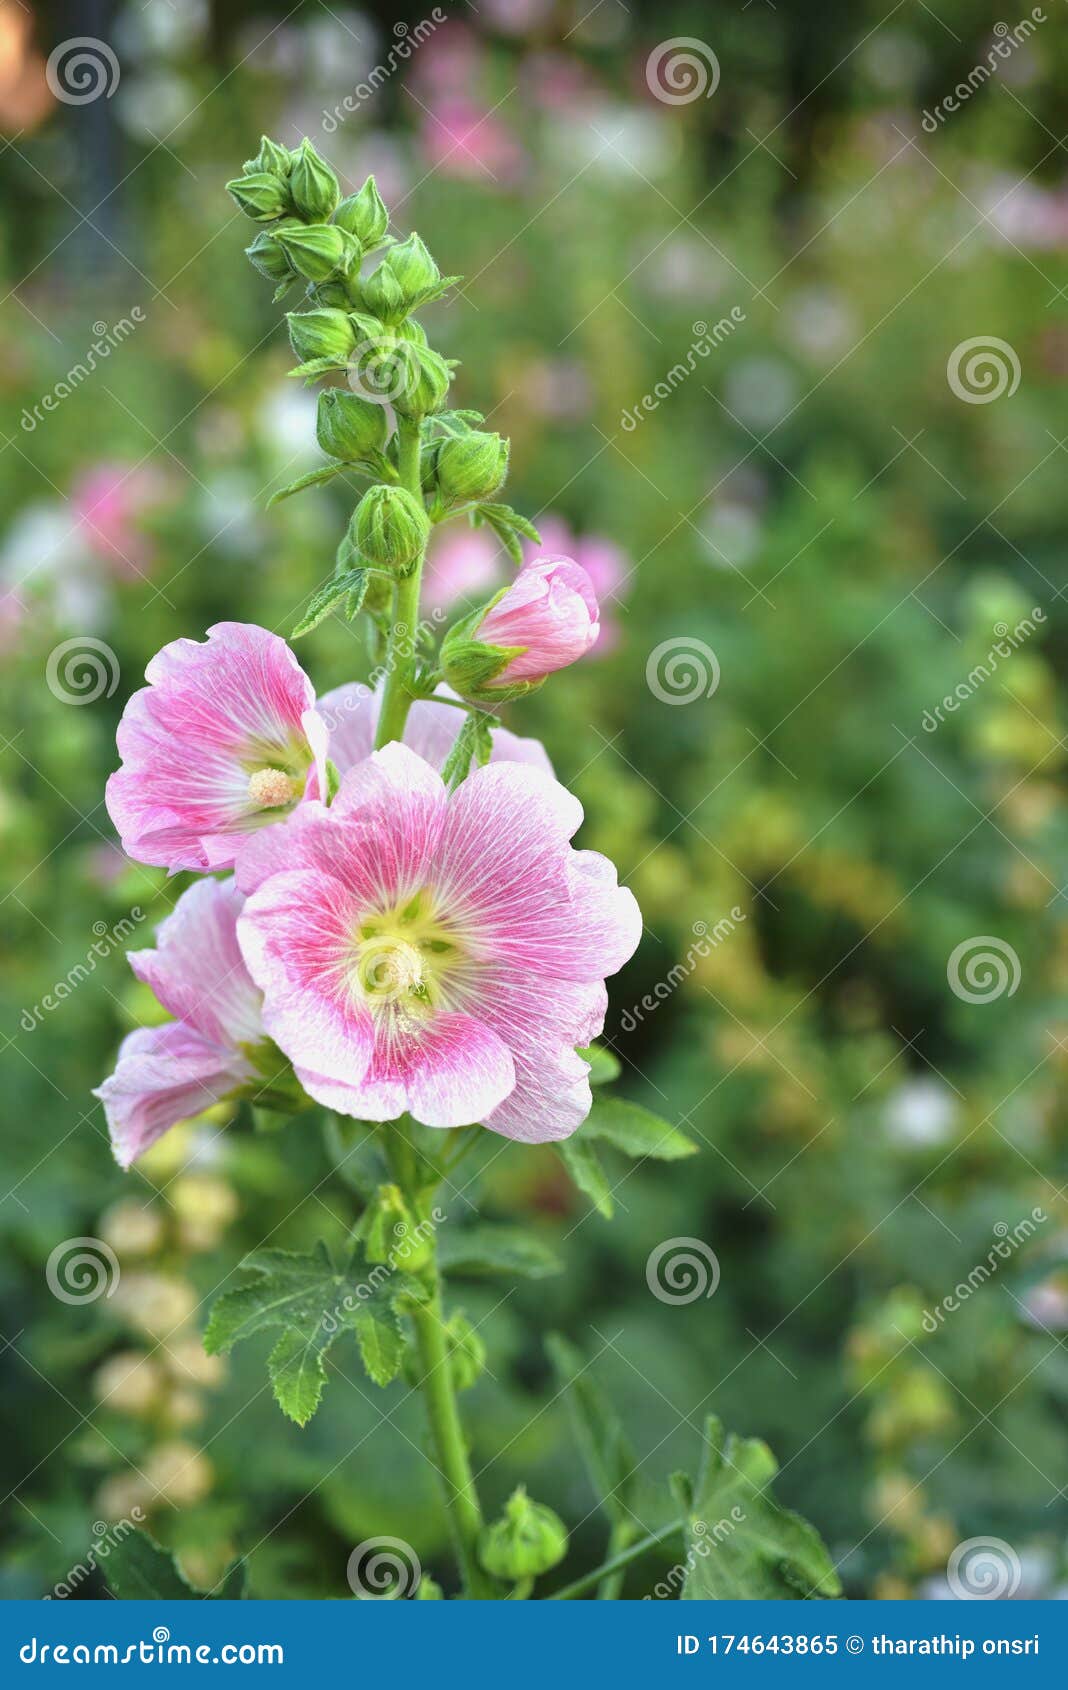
551,610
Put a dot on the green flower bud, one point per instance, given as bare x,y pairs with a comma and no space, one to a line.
319,251
272,158
470,665
423,380
428,1590
331,294
348,427
471,466
391,1234
325,333
390,528
365,216
428,466
527,1540
381,293
467,1352
260,196
313,185
413,269
268,257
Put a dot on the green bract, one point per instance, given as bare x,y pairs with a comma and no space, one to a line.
260,196
348,427
313,185
390,528
323,333
471,466
365,216
527,1540
318,250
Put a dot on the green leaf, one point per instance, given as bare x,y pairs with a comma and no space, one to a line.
741,1542
233,1586
325,472
352,582
583,1164
606,1452
139,1570
473,743
635,1131
312,1301
508,525
604,1064
381,1346
355,1148
486,1249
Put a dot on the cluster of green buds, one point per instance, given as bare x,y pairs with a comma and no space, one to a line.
388,417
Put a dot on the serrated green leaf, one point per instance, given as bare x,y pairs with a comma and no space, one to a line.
606,1452
355,1148
473,744
138,1569
509,518
582,1163
312,1301
741,1542
352,583
488,1249
381,1346
604,1064
636,1131
325,472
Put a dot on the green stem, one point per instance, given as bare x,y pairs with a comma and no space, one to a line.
399,689
446,1431
617,1562
621,1537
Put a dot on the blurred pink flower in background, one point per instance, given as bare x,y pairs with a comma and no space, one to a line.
12,616
464,138
462,562
109,501
604,562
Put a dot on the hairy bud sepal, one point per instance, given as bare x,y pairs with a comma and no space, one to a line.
313,185
390,528
348,427
470,666
260,195
527,1540
323,333
319,251
471,467
365,216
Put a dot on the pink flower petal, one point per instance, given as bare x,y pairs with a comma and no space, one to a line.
197,971
164,1075
351,714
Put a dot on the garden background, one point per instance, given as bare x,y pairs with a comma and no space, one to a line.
724,330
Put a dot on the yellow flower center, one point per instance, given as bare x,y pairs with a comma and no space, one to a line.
269,789
403,956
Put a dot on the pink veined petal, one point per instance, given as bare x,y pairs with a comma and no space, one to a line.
197,971
542,1021
296,935
213,710
164,1075
307,838
449,1072
393,809
351,714
550,611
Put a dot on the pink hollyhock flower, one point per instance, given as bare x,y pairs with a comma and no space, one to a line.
465,139
351,716
224,739
215,1049
462,561
437,954
605,564
165,1074
550,611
